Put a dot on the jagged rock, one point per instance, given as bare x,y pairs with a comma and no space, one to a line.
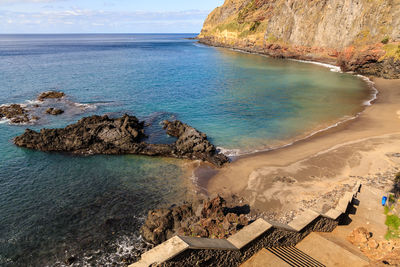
125,135
91,135
193,144
11,111
162,223
213,208
50,95
216,221
70,260
386,252
359,235
54,111
15,113
372,244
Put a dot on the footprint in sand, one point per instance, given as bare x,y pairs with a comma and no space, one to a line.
398,113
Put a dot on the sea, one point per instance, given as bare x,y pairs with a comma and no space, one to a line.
56,206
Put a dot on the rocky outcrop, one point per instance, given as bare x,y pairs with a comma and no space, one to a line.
161,224
383,253
323,31
368,62
193,144
16,114
215,220
54,111
124,135
51,103
50,95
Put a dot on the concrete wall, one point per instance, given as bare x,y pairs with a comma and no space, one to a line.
192,251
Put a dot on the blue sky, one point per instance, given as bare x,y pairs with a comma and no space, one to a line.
104,16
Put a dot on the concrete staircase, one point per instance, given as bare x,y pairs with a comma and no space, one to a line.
270,244
313,251
332,248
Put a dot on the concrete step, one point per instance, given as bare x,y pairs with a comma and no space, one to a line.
330,253
344,244
282,257
265,258
295,257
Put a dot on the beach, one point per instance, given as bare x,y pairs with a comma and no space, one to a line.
307,173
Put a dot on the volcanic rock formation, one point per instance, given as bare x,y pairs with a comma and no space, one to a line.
54,111
50,95
124,135
215,220
16,114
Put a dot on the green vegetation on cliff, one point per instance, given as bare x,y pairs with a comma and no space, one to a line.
360,36
393,224
332,24
392,51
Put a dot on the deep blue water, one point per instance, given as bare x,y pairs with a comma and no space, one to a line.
53,205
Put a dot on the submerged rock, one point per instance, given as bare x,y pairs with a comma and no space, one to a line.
125,135
50,95
54,111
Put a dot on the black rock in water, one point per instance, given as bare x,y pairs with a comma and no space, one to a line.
54,111
193,144
50,95
125,135
15,113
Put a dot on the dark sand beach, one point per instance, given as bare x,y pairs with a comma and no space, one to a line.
296,176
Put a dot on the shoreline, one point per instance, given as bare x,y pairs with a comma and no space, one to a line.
236,154
320,162
214,181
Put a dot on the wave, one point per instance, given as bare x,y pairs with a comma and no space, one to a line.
333,68
3,120
125,247
197,44
9,104
233,153
33,102
84,106
375,91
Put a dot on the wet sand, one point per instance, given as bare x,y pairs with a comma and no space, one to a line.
288,178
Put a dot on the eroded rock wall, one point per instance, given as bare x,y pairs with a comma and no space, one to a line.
350,33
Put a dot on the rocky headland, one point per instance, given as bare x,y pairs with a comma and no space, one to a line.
124,135
358,36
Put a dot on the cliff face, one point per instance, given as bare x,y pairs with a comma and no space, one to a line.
358,35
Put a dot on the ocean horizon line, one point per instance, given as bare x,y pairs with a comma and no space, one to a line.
91,33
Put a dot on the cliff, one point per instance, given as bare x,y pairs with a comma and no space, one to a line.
359,35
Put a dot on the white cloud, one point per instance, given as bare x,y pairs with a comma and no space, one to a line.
101,21
28,1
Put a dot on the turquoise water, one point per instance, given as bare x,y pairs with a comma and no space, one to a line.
55,205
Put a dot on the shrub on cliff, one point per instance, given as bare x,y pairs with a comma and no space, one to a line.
396,186
385,40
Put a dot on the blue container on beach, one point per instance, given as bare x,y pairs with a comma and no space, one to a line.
384,199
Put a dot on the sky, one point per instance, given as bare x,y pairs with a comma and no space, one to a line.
104,16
